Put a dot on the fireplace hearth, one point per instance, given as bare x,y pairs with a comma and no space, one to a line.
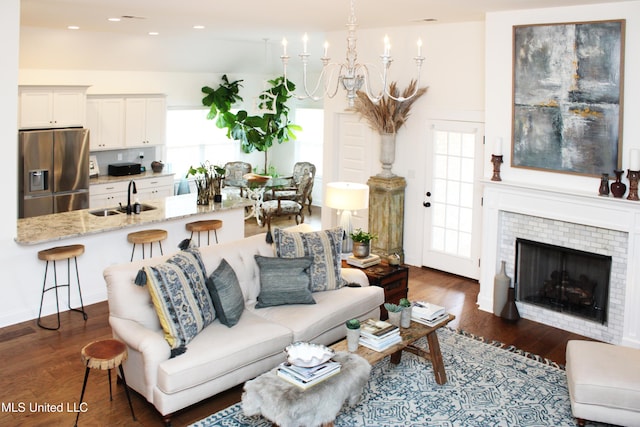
562,279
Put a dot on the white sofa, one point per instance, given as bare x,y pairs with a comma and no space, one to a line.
220,357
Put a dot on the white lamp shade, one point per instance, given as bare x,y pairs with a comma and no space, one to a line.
348,196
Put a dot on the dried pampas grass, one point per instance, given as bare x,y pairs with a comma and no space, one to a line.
388,115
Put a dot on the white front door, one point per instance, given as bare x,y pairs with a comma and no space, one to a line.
453,196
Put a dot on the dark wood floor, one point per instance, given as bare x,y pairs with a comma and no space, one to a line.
41,367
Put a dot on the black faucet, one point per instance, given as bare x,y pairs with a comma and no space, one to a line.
135,191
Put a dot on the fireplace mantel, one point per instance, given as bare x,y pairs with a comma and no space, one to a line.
578,208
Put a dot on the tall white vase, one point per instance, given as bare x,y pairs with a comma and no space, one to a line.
387,154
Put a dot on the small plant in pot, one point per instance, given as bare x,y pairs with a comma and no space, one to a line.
395,313
362,242
405,318
353,334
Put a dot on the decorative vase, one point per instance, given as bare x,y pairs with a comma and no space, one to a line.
510,310
501,283
204,192
394,317
405,317
387,154
361,249
353,339
604,185
618,188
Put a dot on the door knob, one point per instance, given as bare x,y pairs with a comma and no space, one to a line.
426,204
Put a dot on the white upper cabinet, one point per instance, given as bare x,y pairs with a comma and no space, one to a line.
52,106
105,120
145,121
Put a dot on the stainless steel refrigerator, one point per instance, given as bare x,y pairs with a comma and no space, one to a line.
53,168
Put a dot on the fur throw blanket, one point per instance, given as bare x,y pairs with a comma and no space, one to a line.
289,406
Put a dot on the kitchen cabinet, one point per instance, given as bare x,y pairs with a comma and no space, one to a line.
155,188
109,195
105,120
145,120
51,106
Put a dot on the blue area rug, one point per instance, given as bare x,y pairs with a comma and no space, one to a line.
487,385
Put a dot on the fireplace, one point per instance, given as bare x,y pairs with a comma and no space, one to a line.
562,279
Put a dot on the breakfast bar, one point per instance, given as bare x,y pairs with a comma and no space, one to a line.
105,240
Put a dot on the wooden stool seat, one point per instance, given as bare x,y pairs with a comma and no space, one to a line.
105,355
204,225
60,253
147,236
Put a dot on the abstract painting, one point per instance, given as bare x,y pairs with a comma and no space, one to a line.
567,97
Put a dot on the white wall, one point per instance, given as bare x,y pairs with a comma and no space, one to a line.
499,77
454,72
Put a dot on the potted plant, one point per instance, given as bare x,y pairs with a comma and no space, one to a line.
353,334
395,312
254,132
208,179
362,242
405,318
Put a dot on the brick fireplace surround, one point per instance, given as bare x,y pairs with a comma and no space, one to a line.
587,222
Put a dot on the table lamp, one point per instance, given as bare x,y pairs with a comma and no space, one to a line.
346,197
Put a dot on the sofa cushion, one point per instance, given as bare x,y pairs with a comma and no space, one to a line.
323,246
226,294
331,310
284,281
180,296
219,351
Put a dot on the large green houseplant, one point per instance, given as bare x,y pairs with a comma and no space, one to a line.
255,132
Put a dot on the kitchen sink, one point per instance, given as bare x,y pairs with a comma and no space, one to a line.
143,207
104,212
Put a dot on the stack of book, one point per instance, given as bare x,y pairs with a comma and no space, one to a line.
379,335
427,313
365,262
307,377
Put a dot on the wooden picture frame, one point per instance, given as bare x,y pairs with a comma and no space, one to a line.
567,97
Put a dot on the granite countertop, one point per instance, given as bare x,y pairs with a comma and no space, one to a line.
59,226
105,179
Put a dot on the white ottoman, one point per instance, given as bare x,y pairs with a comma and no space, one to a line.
604,382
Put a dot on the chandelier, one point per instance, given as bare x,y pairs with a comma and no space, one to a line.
351,74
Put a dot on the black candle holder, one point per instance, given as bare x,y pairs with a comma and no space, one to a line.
496,160
633,184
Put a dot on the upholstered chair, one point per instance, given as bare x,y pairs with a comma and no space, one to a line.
233,174
286,206
300,170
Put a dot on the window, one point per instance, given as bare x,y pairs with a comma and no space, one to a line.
192,139
309,142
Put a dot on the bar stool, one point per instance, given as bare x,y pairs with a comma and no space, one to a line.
60,253
105,355
147,236
206,225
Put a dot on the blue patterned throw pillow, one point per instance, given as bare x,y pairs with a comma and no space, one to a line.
324,247
180,296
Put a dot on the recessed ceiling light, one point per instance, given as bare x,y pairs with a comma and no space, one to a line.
73,27
153,33
198,27
114,19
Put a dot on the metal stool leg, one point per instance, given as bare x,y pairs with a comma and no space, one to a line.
110,394
160,243
84,386
126,390
45,290
81,310
133,251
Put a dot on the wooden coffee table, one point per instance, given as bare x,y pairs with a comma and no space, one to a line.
409,337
